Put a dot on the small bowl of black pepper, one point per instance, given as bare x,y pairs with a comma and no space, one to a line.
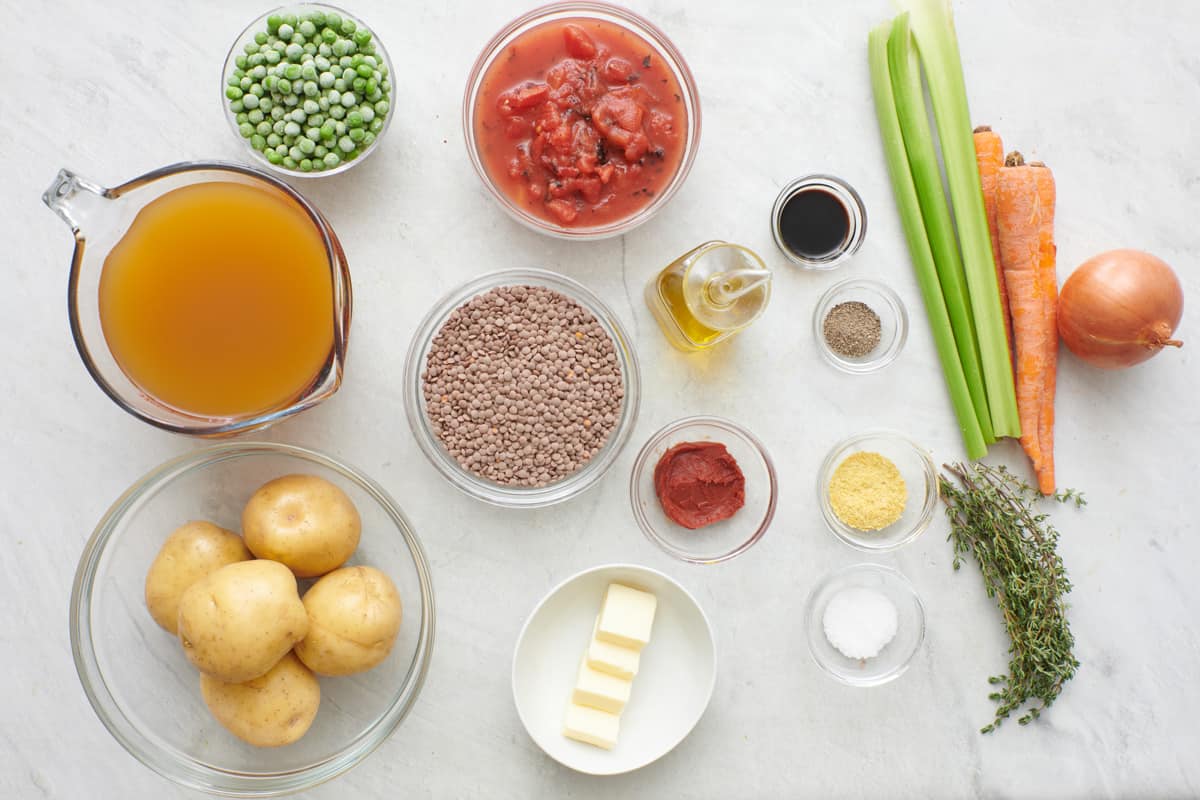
860,325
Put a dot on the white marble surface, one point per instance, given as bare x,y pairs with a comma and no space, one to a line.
1108,93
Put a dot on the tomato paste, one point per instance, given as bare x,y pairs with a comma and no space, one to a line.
699,483
581,122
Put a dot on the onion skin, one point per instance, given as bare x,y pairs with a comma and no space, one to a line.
1120,308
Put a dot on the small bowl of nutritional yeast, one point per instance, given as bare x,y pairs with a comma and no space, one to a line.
521,387
877,490
860,326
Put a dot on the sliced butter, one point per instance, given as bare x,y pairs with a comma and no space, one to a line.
600,690
592,726
612,658
626,616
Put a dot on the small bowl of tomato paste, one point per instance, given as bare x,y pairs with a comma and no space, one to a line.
582,119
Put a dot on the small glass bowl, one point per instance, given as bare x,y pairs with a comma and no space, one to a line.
143,688
435,451
920,478
856,216
893,324
260,24
895,657
615,15
723,540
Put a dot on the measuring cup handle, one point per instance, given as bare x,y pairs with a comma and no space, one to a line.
70,196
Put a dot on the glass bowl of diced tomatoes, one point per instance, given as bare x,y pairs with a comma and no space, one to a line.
582,119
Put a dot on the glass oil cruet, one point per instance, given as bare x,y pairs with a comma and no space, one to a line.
709,294
98,217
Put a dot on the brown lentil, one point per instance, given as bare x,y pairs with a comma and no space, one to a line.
522,385
851,329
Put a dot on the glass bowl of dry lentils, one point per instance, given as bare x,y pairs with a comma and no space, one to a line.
521,387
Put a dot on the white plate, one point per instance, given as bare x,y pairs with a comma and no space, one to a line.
672,688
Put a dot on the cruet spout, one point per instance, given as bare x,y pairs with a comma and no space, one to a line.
726,287
73,198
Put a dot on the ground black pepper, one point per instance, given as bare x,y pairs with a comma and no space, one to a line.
851,329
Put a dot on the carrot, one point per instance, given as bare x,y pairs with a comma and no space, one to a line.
989,156
1018,225
1048,285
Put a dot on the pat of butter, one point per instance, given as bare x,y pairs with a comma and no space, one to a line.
612,658
591,725
626,617
600,690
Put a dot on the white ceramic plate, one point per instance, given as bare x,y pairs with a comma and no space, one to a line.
672,688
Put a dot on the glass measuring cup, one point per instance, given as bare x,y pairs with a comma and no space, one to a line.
99,217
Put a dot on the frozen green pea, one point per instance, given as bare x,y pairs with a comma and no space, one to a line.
370,61
279,127
368,48
368,138
345,144
299,40
316,120
354,119
362,36
295,153
255,116
264,128
242,117
273,23
365,71
367,113
257,90
240,61
349,100
376,125
278,112
273,157
326,80
317,18
328,130
355,61
312,133
333,19
324,50
283,86
265,103
271,56
321,63
340,47
258,142
323,102
246,130
260,38
306,165
282,149
356,134
307,28
331,160
382,108
348,74
371,90
345,61
274,140
311,107
311,89
293,53
245,83
292,72
320,151
286,32
339,128
258,73
298,116
308,72
291,128
256,60
359,85
250,47
310,50
329,36
348,26
289,162
385,85
306,145
234,79
340,85
337,112
291,101
251,100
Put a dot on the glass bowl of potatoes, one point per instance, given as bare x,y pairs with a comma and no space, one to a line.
252,619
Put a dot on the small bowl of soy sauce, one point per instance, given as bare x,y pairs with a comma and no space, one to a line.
818,221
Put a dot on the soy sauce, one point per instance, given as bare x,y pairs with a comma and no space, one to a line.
814,223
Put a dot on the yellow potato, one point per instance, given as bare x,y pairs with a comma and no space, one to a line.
270,711
236,623
304,522
353,617
192,551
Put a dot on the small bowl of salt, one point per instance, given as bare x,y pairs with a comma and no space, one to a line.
864,624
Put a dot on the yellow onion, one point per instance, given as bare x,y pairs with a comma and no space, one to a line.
1119,308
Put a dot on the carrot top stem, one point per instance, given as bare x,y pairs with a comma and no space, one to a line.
1015,159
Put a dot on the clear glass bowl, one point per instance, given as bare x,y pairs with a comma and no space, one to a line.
893,324
723,540
920,478
856,217
895,657
615,15
260,24
147,693
490,491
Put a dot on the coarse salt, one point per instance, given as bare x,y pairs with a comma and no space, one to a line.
860,622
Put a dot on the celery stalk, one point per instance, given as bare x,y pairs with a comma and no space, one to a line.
909,100
918,243
937,42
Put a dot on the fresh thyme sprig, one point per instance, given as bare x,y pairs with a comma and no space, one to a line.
993,517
